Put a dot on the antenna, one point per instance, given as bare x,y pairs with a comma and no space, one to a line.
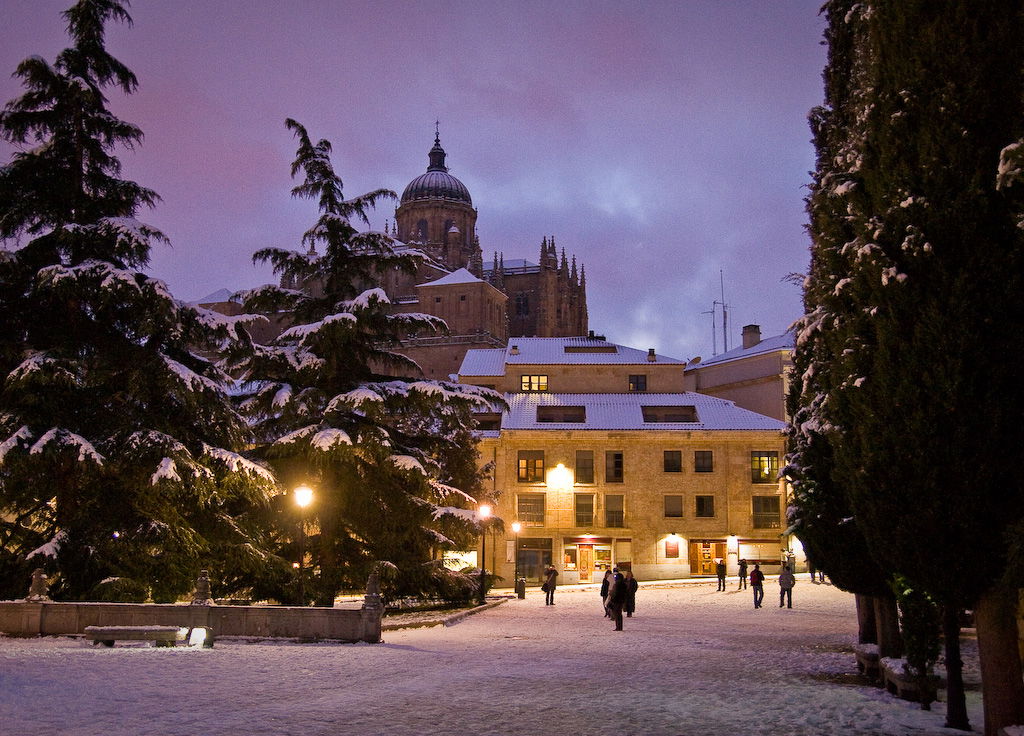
714,337
725,313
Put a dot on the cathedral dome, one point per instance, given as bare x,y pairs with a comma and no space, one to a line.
436,183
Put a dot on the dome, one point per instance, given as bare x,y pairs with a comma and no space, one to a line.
436,183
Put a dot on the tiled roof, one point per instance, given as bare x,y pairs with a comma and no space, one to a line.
785,341
625,412
481,362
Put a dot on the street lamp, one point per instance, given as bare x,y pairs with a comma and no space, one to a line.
485,514
303,498
520,585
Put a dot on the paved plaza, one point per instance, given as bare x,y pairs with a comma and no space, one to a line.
692,662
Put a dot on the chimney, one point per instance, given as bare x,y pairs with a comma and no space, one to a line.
514,350
751,336
651,357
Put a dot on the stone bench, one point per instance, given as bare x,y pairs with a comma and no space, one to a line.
904,686
867,660
161,636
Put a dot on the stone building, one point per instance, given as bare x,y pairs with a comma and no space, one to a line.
754,375
606,461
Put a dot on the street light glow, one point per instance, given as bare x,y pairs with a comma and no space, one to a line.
485,511
303,496
516,527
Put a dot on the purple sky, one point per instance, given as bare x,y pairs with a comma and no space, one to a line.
659,142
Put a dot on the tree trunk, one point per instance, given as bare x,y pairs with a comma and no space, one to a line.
995,615
867,631
956,703
887,620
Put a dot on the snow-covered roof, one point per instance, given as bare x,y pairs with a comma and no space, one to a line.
556,351
462,276
484,362
785,341
221,295
626,412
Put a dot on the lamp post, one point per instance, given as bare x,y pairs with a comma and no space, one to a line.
485,514
519,584
303,498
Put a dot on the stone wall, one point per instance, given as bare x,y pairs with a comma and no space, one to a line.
48,618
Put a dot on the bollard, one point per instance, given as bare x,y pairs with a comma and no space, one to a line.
521,587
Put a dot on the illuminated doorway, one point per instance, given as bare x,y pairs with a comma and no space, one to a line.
703,555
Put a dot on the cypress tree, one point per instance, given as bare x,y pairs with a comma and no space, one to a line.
117,438
916,221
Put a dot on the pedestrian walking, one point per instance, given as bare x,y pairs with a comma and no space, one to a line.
720,569
550,580
743,575
617,599
811,570
757,584
605,584
786,583
821,576
631,587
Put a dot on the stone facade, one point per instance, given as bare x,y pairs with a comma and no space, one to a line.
654,479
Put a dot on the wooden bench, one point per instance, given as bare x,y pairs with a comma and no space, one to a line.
161,636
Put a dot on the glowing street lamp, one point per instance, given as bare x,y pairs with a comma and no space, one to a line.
303,498
516,528
485,513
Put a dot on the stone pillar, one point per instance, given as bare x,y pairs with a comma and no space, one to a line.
372,611
39,589
202,595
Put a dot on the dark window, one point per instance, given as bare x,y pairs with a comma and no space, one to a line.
462,297
437,300
703,461
671,548
638,383
522,304
530,509
531,466
673,461
562,414
673,507
584,466
669,413
764,467
584,509
766,512
705,507
613,467
614,511
488,422
421,228
534,383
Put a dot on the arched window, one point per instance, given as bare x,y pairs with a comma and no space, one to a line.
522,304
422,231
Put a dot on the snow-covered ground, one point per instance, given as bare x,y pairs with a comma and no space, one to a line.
691,662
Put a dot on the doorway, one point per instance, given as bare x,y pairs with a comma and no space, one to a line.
703,555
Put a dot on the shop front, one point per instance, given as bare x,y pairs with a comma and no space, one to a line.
586,558
534,557
704,554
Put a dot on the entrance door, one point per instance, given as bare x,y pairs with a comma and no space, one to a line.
586,562
703,555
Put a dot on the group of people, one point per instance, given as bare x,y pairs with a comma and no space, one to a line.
618,589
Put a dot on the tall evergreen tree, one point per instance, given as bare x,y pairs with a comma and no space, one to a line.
117,438
916,275
392,461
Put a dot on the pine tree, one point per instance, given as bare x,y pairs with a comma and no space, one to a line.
386,456
117,453
916,279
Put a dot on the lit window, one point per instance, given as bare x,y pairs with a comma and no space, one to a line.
638,383
531,466
764,467
534,383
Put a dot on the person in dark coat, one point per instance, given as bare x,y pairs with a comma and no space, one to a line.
617,599
550,580
720,569
743,574
605,584
810,569
757,584
631,587
786,583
